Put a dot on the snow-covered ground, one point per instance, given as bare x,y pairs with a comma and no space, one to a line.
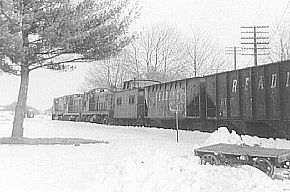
135,160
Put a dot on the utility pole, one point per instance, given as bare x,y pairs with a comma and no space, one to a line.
233,51
254,38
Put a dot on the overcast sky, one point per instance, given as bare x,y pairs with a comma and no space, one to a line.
222,19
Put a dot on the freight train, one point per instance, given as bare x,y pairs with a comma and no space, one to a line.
253,101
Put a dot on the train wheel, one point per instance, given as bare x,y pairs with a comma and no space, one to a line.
209,159
78,118
264,165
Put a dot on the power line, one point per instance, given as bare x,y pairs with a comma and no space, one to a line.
254,40
233,51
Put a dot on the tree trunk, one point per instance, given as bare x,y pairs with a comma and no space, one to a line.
21,103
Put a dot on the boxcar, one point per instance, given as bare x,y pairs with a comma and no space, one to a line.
181,96
253,100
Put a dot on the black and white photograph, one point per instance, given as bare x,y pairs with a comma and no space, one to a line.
144,96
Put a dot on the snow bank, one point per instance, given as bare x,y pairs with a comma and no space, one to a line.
135,160
164,172
223,135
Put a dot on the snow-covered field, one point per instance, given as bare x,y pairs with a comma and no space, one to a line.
135,160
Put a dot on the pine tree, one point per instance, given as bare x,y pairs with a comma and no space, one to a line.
53,34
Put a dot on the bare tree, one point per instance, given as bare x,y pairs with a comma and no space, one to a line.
162,53
204,56
280,43
157,52
108,73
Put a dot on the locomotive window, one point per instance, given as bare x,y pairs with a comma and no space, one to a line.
119,101
132,99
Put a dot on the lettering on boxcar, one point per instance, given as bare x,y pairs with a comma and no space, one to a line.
274,80
223,107
261,82
247,83
234,88
178,94
287,79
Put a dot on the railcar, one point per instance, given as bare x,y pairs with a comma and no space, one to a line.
130,105
253,100
73,107
68,107
163,100
58,108
98,106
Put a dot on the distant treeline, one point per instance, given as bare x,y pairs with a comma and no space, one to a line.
11,107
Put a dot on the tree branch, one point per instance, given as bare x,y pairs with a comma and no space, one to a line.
43,59
80,59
